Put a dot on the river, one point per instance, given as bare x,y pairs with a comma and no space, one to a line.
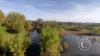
74,49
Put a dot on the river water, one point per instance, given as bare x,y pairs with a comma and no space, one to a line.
74,49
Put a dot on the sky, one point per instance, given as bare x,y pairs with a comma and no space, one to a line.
58,10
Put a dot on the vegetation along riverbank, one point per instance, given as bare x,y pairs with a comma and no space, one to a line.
15,35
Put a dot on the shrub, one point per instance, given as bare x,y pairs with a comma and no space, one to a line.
15,22
50,40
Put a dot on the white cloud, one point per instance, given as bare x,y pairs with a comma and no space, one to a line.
78,14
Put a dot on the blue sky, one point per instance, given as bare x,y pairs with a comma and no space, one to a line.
59,10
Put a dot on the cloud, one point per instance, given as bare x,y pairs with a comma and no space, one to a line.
60,10
80,13
58,5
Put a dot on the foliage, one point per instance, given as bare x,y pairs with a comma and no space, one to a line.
38,25
50,40
13,44
18,45
85,31
4,38
97,30
28,26
14,37
2,16
15,21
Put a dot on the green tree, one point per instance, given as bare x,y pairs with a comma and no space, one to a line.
2,16
15,21
19,44
50,40
4,39
29,26
16,43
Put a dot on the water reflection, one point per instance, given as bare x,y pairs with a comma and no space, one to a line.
74,49
35,48
72,40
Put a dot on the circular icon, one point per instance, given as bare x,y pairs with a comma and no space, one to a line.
84,44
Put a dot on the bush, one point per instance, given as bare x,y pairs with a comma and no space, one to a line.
4,41
2,16
15,43
50,41
15,22
19,44
29,26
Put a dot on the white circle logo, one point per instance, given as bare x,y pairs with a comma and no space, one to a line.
84,44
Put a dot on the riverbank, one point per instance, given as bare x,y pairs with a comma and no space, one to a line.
79,33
